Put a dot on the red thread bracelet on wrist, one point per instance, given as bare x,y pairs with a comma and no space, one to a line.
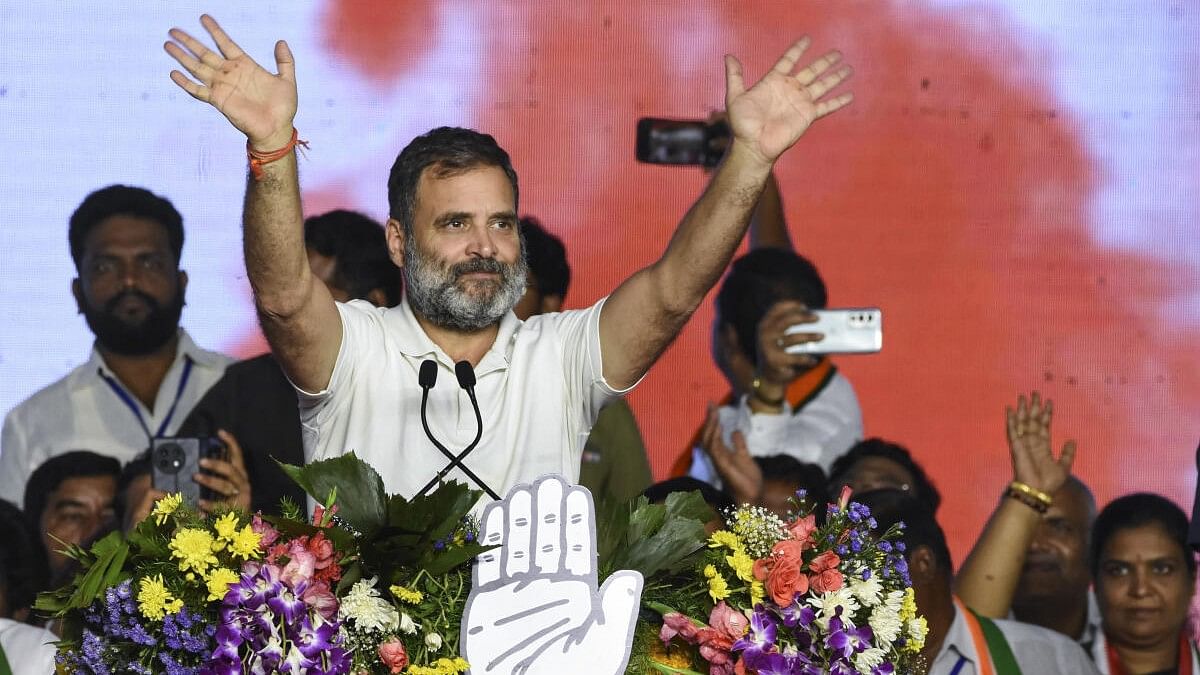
258,158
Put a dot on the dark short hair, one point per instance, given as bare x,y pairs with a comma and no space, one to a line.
713,496
53,472
923,488
359,246
805,476
123,200
547,258
450,151
890,506
759,280
1138,510
22,559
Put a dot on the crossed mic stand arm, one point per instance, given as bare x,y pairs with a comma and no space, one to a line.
466,380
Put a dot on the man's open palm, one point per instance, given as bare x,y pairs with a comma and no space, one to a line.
260,104
772,115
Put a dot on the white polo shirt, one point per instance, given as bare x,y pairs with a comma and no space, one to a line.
1037,650
28,650
540,388
84,411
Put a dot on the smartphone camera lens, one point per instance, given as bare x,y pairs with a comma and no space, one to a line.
169,458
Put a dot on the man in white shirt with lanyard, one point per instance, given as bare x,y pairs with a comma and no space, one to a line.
960,642
453,229
145,373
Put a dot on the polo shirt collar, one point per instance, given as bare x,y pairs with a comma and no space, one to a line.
958,639
413,342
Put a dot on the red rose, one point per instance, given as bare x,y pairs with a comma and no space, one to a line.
393,655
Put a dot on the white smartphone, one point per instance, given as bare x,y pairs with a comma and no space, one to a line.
846,331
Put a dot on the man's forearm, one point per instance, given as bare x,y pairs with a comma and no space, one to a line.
711,230
273,240
988,578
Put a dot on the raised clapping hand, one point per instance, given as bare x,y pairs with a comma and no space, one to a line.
1033,458
739,472
772,115
534,606
260,104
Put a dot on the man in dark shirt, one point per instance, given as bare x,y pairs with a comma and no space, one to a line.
254,402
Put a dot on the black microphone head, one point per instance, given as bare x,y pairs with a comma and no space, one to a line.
428,374
465,373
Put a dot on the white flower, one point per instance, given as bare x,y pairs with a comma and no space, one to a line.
885,624
369,612
827,605
407,624
917,629
868,592
433,641
868,659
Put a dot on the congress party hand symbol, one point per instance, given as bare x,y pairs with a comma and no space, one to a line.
534,606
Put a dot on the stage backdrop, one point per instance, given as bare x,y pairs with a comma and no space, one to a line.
1015,185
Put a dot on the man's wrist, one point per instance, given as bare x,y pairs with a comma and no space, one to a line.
272,142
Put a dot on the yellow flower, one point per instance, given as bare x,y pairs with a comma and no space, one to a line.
226,527
154,600
908,606
244,542
218,582
717,587
194,549
757,592
742,565
672,656
727,539
408,595
442,666
165,507
917,630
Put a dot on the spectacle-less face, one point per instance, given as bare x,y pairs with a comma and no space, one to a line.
875,473
76,511
1056,566
130,289
1143,586
463,267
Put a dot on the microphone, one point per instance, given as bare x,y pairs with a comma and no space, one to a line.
466,379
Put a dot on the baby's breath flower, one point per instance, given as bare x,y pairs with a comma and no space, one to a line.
757,529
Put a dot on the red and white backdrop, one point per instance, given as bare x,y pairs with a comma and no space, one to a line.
1015,185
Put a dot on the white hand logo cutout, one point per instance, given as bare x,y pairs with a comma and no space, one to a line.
534,606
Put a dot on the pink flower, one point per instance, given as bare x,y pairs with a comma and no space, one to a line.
299,568
803,528
322,517
264,529
393,655
319,597
781,573
674,624
844,497
825,576
728,621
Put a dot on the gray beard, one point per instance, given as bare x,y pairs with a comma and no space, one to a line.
434,293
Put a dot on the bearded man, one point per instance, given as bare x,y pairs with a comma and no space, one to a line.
453,229
145,373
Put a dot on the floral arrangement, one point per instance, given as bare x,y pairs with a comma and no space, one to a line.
769,596
371,584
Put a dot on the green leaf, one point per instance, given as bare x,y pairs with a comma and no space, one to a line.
362,501
659,537
88,586
447,560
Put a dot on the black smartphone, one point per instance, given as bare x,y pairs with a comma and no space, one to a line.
681,142
175,460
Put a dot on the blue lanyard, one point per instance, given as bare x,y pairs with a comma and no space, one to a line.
962,661
132,405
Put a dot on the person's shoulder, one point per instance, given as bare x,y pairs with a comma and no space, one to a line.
1024,636
53,397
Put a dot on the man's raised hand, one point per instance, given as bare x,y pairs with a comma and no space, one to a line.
772,115
260,104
